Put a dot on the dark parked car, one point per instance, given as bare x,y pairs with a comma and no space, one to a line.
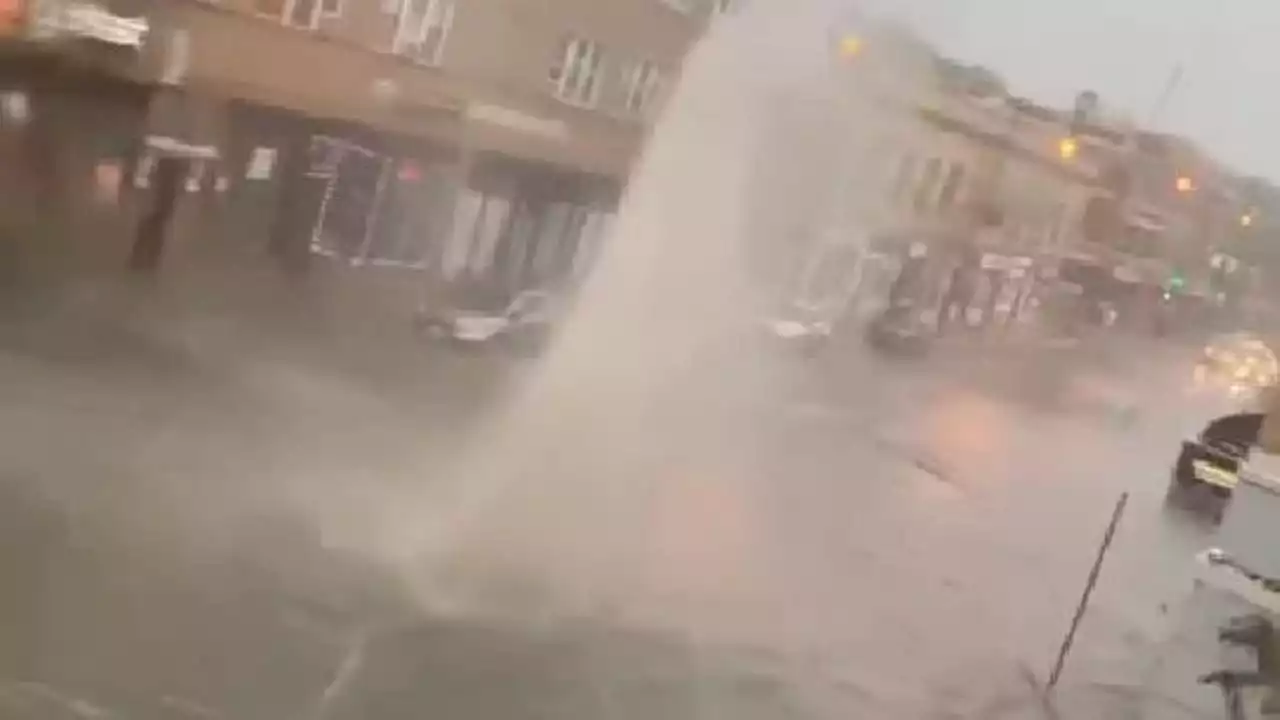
1208,468
1204,476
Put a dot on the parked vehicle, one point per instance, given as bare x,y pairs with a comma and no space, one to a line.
807,335
900,330
1207,470
1204,477
523,326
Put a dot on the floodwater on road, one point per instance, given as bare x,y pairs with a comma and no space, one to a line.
907,543
652,524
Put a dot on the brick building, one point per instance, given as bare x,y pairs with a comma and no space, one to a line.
483,139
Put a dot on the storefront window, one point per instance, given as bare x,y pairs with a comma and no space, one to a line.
413,218
325,155
466,211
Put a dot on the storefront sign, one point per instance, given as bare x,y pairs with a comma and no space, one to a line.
1126,274
515,120
1005,263
165,145
90,20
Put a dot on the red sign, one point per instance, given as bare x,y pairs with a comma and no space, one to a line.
11,16
409,172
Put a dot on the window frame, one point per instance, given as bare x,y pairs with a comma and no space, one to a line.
686,7
436,13
925,192
951,189
287,9
571,84
643,83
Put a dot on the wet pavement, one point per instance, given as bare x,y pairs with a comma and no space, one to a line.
912,543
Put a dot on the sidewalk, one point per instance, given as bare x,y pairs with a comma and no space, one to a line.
169,407
226,325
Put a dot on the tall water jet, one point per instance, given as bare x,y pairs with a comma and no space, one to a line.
623,470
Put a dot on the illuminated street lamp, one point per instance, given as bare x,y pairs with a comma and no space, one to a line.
1185,184
1246,220
1068,148
850,46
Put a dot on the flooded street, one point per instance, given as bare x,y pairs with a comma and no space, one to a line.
217,509
906,541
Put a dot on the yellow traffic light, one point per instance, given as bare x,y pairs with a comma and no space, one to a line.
1068,147
1185,184
850,46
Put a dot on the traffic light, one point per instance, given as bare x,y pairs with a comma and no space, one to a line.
1068,148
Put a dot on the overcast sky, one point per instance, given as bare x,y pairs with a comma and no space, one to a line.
1126,50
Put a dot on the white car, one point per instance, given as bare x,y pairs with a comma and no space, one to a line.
524,324
802,327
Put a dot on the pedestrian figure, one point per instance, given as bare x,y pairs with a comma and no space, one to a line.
167,182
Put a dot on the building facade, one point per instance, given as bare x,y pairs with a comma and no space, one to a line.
483,140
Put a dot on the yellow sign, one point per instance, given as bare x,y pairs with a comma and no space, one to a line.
850,46
1068,148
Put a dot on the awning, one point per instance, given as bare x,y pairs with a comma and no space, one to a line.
178,148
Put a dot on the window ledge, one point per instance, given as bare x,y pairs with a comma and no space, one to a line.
684,7
593,106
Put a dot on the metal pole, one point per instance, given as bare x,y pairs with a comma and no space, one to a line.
1088,591
1170,88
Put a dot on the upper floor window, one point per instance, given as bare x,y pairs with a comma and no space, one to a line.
294,13
906,175
951,186
577,71
270,8
642,86
926,190
423,29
